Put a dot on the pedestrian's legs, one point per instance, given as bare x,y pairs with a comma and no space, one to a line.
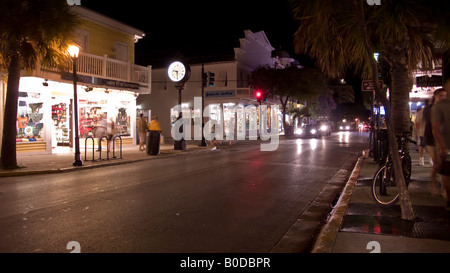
100,143
421,158
446,185
142,141
434,169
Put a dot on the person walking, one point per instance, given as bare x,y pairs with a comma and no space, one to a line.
142,129
419,128
430,145
440,118
111,131
100,130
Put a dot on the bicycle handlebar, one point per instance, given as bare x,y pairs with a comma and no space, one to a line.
406,139
406,135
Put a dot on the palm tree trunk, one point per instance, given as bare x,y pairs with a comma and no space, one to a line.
405,203
8,154
401,86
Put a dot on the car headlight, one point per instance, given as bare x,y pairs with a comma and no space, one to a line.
323,128
341,127
313,131
299,131
347,127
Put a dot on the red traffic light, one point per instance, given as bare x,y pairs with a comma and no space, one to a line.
259,95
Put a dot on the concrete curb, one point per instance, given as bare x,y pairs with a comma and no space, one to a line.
325,240
300,236
24,172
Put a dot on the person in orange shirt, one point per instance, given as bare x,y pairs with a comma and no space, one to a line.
154,124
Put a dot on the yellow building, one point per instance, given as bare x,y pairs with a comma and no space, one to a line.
108,84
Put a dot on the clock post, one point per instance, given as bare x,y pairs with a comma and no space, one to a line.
180,144
179,72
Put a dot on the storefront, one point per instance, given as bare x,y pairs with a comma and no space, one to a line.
44,120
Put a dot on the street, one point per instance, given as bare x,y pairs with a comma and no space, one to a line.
237,199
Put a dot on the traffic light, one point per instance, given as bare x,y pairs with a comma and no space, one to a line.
259,95
211,79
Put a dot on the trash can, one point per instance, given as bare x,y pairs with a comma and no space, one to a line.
153,142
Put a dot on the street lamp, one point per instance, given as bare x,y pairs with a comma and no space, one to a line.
73,52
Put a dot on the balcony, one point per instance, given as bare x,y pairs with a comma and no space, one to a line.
109,69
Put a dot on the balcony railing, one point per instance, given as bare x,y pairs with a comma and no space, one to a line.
107,68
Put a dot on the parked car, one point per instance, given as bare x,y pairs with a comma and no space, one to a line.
308,131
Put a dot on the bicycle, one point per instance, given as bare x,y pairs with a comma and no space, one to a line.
384,187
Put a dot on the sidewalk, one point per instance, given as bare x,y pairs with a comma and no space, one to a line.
359,225
62,158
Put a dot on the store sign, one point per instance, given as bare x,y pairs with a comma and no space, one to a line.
426,81
80,78
367,85
220,94
100,81
117,84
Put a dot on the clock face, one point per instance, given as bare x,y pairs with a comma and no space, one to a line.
176,71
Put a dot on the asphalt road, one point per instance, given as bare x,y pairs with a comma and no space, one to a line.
237,199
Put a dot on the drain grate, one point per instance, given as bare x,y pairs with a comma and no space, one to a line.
433,221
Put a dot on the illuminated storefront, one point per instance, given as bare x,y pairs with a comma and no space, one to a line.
44,119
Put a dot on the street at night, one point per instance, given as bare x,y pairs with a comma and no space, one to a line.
223,135
235,199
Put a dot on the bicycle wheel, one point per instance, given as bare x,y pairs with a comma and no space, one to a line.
384,188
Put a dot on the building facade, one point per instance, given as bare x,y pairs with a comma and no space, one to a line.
108,85
232,86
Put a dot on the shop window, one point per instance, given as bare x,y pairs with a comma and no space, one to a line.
60,117
89,115
30,117
123,122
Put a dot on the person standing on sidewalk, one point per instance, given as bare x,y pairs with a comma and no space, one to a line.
111,132
440,117
419,128
142,128
430,144
154,124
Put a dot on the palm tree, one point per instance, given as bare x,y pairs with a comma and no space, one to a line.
289,84
343,35
31,32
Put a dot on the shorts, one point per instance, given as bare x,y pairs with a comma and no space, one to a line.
421,142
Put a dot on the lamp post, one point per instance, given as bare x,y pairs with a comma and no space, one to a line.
73,52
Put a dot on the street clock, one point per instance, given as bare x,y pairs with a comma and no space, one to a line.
179,72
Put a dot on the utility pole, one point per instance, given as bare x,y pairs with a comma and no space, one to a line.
203,143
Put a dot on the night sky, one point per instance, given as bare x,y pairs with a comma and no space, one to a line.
199,28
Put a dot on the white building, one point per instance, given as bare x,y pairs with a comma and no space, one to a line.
232,83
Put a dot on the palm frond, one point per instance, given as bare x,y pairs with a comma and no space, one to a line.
43,36
329,33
